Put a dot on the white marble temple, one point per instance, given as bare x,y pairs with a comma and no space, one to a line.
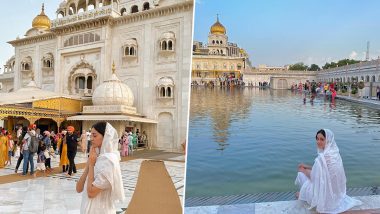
56,193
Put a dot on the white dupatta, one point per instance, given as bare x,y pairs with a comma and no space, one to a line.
109,150
326,190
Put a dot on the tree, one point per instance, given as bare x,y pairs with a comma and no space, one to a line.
314,67
341,62
300,66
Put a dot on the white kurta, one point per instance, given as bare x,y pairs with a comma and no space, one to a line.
102,203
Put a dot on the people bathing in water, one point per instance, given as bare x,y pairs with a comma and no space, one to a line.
323,185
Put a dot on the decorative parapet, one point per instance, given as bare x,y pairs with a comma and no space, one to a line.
110,109
88,15
7,75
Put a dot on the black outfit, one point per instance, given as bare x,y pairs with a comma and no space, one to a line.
72,145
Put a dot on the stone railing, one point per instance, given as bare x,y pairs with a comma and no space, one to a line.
88,15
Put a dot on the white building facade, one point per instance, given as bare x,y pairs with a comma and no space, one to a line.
148,40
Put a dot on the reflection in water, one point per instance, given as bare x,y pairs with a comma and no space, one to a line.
221,105
251,140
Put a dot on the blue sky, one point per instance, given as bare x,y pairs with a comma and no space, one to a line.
280,32
273,32
16,18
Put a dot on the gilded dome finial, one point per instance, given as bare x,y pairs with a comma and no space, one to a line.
113,67
41,21
217,27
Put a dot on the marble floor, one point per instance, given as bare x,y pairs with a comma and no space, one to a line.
56,193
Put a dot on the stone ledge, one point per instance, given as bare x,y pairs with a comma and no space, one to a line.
281,207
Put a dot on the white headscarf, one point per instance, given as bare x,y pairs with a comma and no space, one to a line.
328,178
109,150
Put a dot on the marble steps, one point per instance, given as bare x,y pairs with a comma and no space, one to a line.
266,197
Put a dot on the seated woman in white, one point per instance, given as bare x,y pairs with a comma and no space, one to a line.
101,182
323,186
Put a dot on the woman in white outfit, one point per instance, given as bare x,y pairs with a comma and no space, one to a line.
323,186
101,182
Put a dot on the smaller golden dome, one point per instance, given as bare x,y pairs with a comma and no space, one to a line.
217,28
242,51
41,21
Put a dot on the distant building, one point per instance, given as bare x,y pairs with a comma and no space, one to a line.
218,57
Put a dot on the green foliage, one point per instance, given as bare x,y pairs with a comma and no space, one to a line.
354,91
300,66
342,62
314,67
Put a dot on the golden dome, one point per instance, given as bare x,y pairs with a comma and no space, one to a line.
217,28
41,21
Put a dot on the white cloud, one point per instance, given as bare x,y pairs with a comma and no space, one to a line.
353,55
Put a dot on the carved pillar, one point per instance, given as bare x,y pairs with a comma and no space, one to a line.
10,123
85,83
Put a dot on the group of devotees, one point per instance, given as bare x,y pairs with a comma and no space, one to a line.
101,183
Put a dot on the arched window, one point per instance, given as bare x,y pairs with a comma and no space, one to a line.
146,6
134,9
373,79
170,45
213,42
217,42
81,81
89,82
164,45
122,11
367,78
72,9
132,51
162,92
60,14
221,51
48,64
168,92
126,52
221,42
26,66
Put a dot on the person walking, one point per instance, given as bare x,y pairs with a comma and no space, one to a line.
378,92
29,142
72,146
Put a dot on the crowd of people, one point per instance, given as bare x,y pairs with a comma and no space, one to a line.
225,80
27,142
313,88
101,182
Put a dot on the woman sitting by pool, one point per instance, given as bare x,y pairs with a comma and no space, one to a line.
324,185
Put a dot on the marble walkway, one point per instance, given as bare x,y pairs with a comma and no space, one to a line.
56,193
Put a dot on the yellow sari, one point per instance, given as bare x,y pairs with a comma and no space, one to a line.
3,150
64,160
